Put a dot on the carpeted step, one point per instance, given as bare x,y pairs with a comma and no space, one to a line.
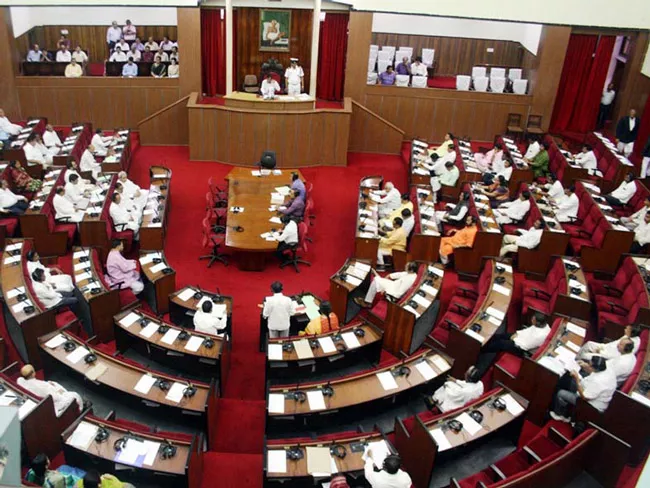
239,427
246,377
227,470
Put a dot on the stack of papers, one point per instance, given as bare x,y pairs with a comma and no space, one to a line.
15,292
316,400
512,405
55,341
83,435
327,344
75,356
351,341
186,294
380,451
387,381
129,320
274,352
194,343
144,384
276,403
175,393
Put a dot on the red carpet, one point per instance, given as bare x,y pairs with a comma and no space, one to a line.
238,428
232,470
444,82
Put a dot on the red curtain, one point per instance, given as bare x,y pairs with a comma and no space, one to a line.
331,56
574,76
213,52
587,104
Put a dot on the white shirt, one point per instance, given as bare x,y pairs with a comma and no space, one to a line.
567,208
505,172
532,150
392,200
599,388
419,69
63,207
408,224
61,398
209,323
118,57
98,143
124,46
51,139
625,191
7,198
8,127
46,294
63,56
153,46
269,88
587,160
129,32
556,191
622,366
74,192
517,209
456,394
80,57
293,75
531,337
32,153
398,283
164,57
632,123
642,233
530,238
638,217
610,349
113,34
608,97
289,234
119,214
135,55
88,163
382,479
278,309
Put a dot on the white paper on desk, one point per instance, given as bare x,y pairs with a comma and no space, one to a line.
316,400
277,199
276,403
501,289
274,352
170,336
420,300
572,346
12,259
151,448
512,405
25,408
275,220
436,271
496,313
256,172
159,224
576,329
148,258
363,267
387,381
319,461
430,290
194,343
158,267
7,398
18,307
55,341
640,398
577,284
129,320
149,330
175,393
352,280
283,190
552,363
469,424
410,309
303,349
14,247
277,172
425,370
130,452
475,335
186,294
144,384
494,230
481,205
440,363
494,320
276,461
14,292
83,276
507,267
350,340
75,356
327,344
380,451
83,435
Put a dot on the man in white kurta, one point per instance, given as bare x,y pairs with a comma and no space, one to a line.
554,190
52,140
131,190
65,208
295,78
122,219
62,398
566,210
587,159
395,285
118,56
47,153
455,393
623,193
389,199
207,320
60,281
63,55
514,211
610,350
89,163
269,88
277,310
528,239
7,126
74,192
33,154
637,218
100,143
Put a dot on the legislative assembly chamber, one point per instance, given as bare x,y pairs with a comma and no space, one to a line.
328,244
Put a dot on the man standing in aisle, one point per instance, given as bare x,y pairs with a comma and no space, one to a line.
295,78
278,309
605,105
113,35
626,131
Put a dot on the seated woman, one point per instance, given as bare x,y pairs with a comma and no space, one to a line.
491,160
40,474
22,181
121,270
324,323
54,276
497,192
458,238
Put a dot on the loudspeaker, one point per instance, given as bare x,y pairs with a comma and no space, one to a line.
267,161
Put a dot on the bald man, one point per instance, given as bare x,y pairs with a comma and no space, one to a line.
62,398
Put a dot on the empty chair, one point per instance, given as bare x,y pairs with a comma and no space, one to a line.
407,50
384,56
514,125
390,50
250,84
481,83
372,62
497,84
534,125
399,55
382,64
374,48
402,80
372,78
428,56
462,82
497,72
519,87
514,74
478,72
419,82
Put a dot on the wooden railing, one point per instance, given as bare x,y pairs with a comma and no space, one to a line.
166,127
369,132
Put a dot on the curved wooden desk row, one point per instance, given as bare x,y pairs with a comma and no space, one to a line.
93,230
154,218
121,159
15,152
366,240
425,240
184,302
349,282
160,280
521,171
642,263
420,159
577,302
74,144
113,375
82,449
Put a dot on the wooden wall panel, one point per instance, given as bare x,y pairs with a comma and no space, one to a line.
91,38
368,133
8,61
189,37
249,58
168,127
456,55
635,87
356,64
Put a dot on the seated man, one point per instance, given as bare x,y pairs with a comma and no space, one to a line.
53,275
390,475
51,139
74,192
456,238
47,153
403,67
418,68
457,393
491,160
118,56
60,396
48,294
553,189
134,207
395,285
295,208
33,153
408,222
641,235
89,163
514,211
269,87
597,388
566,209
73,70
528,239
121,271
586,159
122,218
637,217
405,203
288,238
100,143
299,185
442,149
448,177
35,55
73,170
389,199
523,341
506,172
64,209
7,126
610,350
393,240
533,149
624,363
623,193
208,321
63,55
455,213
130,69
79,56
539,163
132,190
10,203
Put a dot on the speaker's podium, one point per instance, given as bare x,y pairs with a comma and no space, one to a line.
282,103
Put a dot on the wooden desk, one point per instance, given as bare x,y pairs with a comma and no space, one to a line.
74,144
366,241
121,377
297,323
643,316
253,193
290,365
159,284
521,172
181,312
24,328
93,228
349,282
99,302
154,226
574,304
282,103
425,240
170,472
121,159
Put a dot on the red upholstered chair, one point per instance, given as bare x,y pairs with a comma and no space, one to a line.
59,226
595,240
96,69
538,289
119,232
212,241
217,215
220,194
294,259
7,229
617,285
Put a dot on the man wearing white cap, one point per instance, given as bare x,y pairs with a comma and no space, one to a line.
295,78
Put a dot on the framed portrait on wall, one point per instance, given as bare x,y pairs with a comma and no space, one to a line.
275,30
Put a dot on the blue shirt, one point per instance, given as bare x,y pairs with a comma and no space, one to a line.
295,209
387,78
300,186
130,69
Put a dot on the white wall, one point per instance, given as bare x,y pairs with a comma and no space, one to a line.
24,18
285,4
527,34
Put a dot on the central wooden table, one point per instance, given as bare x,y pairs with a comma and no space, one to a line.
244,229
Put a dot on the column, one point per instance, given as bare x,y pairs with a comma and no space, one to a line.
229,44
315,37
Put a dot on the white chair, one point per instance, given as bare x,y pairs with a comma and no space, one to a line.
419,82
372,78
402,80
514,74
407,50
427,56
478,72
497,84
382,64
462,82
497,72
383,56
399,55
390,50
374,48
519,87
481,83
372,62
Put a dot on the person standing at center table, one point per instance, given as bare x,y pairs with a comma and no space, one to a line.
295,78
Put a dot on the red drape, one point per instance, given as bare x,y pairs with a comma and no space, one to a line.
587,103
332,50
574,76
213,52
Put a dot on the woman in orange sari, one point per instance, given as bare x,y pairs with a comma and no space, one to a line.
458,238
22,181
324,323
